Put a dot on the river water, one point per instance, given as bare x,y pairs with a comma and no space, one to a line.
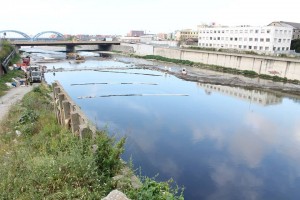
218,142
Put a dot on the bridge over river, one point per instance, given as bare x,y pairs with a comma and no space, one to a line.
70,45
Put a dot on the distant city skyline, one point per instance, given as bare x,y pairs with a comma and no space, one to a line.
118,17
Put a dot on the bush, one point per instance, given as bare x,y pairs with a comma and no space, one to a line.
47,162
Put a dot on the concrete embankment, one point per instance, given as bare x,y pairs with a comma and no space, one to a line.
275,66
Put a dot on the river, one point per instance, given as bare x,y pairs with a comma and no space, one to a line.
219,142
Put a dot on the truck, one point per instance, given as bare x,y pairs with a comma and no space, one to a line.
35,74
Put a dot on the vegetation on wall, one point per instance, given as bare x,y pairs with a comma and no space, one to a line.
5,49
247,73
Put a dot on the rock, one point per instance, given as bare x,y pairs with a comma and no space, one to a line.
115,195
18,133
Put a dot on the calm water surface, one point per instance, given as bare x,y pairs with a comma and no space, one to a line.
218,142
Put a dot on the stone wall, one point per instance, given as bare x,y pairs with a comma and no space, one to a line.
69,114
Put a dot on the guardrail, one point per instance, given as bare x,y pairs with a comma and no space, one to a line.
70,115
6,61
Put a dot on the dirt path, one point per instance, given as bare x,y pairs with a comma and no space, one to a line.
10,98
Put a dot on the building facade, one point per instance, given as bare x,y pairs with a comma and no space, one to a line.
295,26
135,33
186,34
266,39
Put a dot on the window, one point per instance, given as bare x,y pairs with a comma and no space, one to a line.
262,30
274,48
246,31
241,31
251,31
240,46
222,31
250,39
245,47
250,47
275,39
231,31
283,41
278,48
280,31
245,39
235,39
267,48
267,39
282,48
215,31
256,31
260,48
256,39
279,40
285,31
287,49
231,39
268,31
240,39
218,38
255,47
236,31
261,39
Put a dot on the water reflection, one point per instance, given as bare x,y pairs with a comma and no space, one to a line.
253,96
214,144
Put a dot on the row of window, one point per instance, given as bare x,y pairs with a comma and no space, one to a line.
279,40
247,47
257,31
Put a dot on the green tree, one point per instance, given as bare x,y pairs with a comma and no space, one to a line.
295,45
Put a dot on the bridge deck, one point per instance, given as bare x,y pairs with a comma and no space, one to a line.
56,43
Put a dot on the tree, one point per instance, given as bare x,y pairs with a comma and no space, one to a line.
295,45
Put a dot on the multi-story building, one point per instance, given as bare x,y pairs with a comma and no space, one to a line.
186,34
295,26
135,33
266,39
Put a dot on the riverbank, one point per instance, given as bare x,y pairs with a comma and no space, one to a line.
197,72
45,160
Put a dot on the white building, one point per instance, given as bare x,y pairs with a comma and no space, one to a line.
266,39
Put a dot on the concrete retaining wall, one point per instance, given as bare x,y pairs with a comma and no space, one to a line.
70,115
282,67
122,48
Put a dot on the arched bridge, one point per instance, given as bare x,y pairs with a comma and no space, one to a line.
58,35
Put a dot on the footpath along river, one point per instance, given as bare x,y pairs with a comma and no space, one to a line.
218,141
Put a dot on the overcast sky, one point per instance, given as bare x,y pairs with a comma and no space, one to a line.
152,16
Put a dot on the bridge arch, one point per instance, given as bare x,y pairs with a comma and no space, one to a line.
44,32
19,32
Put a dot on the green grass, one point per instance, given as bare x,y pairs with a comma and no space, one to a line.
246,73
47,162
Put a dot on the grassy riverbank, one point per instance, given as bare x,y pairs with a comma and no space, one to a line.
6,48
42,160
246,73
